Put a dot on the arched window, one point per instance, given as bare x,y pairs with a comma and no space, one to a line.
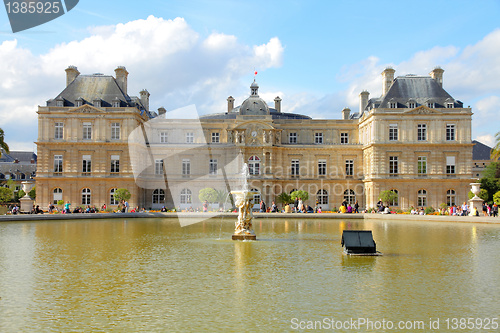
451,197
395,202
254,165
350,196
57,195
22,176
293,190
422,198
158,196
256,197
112,199
186,197
86,196
322,197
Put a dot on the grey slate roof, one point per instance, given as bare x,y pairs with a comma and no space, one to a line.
480,151
93,87
418,89
21,156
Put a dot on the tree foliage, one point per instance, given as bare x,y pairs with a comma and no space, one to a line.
483,194
388,196
496,198
299,194
122,194
285,198
208,194
6,194
3,144
495,152
32,193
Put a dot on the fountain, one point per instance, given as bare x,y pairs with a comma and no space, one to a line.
243,200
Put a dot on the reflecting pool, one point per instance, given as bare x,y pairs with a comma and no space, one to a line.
151,275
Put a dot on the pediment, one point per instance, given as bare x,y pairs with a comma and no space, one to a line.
423,110
86,109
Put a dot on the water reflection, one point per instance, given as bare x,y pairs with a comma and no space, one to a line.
152,275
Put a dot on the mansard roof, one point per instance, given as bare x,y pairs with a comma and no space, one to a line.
20,156
480,151
418,89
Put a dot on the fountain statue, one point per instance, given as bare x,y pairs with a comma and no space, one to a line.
243,200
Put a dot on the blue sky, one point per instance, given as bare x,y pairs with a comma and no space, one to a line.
316,55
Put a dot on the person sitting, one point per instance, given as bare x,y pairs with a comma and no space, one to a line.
349,208
319,209
309,209
163,209
386,210
287,208
342,209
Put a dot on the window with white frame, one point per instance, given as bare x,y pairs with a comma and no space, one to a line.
349,168
186,196
451,198
86,164
87,131
186,167
215,137
422,165
86,196
59,131
163,137
430,105
115,164
412,105
422,198
292,137
112,199
450,132
295,167
60,103
318,138
158,196
116,103
58,163
57,195
254,165
393,166
322,197
344,138
450,165
321,167
393,132
256,196
115,131
190,137
349,196
158,167
393,105
450,105
212,167
422,132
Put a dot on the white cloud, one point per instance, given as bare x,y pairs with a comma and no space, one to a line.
487,139
165,56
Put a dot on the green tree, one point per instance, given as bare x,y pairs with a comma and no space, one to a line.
300,194
483,194
388,196
6,194
496,198
3,144
495,152
208,194
285,198
18,195
32,193
122,194
221,197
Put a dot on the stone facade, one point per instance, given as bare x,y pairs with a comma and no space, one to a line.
415,139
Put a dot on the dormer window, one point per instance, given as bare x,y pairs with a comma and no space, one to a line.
430,104
60,102
393,105
97,103
79,102
116,103
412,104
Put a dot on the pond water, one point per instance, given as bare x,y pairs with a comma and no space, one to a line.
151,275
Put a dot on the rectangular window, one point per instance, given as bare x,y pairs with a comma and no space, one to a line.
412,105
115,163
58,164
393,105
450,105
86,164
295,168
186,167
215,137
212,167
115,131
87,131
60,103
158,167
422,165
344,138
393,166
422,132
292,137
450,165
58,135
349,168
318,138
190,137
163,137
450,132
430,105
393,132
322,167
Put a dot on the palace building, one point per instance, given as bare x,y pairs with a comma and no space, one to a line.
93,138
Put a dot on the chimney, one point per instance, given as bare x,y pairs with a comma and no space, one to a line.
71,74
437,74
346,112
230,103
277,103
161,111
388,75
145,98
363,101
121,77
